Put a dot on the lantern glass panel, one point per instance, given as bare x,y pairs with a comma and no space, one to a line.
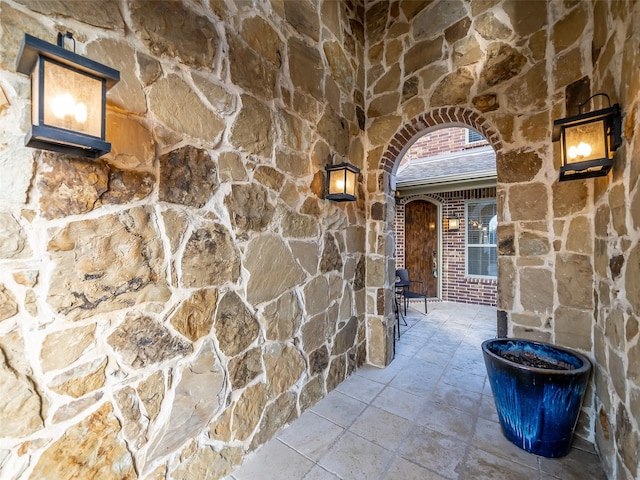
350,187
336,182
585,142
72,100
342,181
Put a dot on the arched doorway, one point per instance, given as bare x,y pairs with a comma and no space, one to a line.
455,169
380,323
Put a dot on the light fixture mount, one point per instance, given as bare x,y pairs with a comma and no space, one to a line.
588,141
68,97
341,182
454,223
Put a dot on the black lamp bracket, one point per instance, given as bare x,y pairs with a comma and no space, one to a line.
591,98
62,36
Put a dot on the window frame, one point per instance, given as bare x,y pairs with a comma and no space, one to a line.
467,245
467,137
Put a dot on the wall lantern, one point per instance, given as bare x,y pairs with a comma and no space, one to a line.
454,224
68,98
588,141
341,182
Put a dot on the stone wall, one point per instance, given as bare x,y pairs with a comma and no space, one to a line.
616,242
176,302
567,250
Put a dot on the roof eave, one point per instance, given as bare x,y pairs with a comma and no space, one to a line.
448,184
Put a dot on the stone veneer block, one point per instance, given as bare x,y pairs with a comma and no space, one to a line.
70,186
235,326
253,130
249,407
632,274
282,318
74,454
175,31
433,20
88,264
127,94
210,257
574,278
188,176
141,342
194,318
284,366
75,341
305,66
252,71
199,396
13,242
453,88
8,304
271,267
167,99
20,410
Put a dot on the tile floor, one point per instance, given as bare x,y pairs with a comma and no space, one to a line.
428,416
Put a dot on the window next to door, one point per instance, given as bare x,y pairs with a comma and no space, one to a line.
481,238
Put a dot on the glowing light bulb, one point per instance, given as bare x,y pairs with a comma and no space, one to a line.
572,152
584,149
340,184
62,105
80,112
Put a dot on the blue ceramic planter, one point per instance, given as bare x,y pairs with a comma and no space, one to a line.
538,390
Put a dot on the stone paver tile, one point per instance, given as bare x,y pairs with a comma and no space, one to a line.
311,435
274,460
414,382
442,342
382,375
465,380
487,389
488,437
488,409
406,470
360,388
577,465
354,458
407,350
433,450
481,465
381,427
433,357
423,369
319,473
399,402
456,397
447,420
339,408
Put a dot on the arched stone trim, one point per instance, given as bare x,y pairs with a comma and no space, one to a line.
380,321
440,116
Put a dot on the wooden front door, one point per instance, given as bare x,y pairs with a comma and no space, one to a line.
421,243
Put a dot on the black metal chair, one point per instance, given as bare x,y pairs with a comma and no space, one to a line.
410,289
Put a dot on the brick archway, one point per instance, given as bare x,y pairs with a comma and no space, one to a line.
380,319
440,117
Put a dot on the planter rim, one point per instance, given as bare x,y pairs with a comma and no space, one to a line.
586,363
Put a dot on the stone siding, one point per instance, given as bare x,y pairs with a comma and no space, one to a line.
175,303
169,307
568,252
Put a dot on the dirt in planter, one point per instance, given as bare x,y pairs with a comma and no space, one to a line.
529,359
